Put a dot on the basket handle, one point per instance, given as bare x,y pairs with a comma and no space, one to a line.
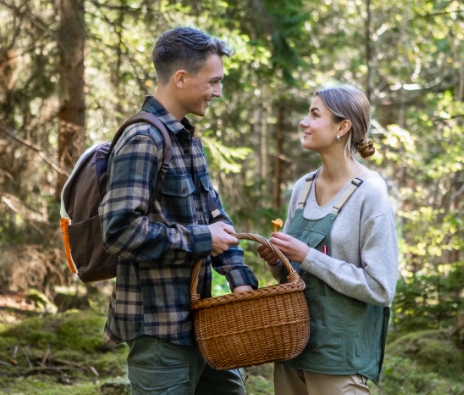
292,274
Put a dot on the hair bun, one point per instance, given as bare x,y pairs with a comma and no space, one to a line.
365,148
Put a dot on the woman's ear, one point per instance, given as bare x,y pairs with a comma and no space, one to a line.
344,127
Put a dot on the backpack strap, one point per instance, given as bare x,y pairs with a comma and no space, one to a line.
213,207
167,155
306,189
355,184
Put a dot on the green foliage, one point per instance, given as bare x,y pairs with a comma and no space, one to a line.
422,362
429,300
220,285
225,158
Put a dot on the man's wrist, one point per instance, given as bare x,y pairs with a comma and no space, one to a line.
241,275
242,288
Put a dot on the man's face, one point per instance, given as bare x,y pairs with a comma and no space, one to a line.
201,88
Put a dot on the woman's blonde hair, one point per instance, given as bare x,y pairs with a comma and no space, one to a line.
347,102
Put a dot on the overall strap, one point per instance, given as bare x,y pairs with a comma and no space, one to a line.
306,189
355,184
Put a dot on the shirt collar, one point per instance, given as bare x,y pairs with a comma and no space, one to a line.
153,106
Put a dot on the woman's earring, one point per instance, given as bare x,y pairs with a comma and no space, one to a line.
339,138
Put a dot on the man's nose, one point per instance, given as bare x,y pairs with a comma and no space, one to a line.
218,91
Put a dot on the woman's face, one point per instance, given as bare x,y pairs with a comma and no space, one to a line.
320,131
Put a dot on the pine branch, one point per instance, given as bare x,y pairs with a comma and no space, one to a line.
35,148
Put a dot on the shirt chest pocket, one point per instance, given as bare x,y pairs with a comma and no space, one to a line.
204,181
177,198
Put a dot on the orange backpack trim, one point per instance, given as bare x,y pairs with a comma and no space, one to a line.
64,223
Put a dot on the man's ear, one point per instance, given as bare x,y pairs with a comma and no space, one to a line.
344,127
179,78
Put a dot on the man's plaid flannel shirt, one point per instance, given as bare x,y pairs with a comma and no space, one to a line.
156,250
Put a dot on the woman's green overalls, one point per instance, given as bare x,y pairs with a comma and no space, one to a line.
347,336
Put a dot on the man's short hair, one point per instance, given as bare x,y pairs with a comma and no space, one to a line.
184,48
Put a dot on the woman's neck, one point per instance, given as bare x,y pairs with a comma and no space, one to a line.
338,170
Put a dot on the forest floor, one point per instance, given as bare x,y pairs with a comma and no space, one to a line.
49,352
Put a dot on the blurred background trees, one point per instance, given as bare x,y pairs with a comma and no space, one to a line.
72,70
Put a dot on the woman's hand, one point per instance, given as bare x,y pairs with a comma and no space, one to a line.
294,249
268,255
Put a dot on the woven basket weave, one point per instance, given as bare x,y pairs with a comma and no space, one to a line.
255,327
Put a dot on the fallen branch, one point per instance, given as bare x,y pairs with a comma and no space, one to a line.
64,362
27,358
15,351
76,365
45,357
44,369
94,371
19,208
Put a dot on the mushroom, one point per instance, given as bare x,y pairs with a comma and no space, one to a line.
278,223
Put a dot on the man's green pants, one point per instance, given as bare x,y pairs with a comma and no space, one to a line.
160,368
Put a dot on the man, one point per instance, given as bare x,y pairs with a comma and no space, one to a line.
157,246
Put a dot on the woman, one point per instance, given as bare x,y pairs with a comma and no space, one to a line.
340,237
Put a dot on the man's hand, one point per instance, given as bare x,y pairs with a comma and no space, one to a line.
242,288
294,249
268,255
222,240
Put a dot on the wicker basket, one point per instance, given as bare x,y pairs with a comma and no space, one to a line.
251,328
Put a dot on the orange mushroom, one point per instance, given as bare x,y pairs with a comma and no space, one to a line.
278,223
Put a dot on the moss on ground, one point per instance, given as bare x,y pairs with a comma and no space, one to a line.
423,362
259,380
61,354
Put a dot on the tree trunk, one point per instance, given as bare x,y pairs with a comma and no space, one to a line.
71,40
461,329
277,168
116,71
367,34
264,140
460,93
